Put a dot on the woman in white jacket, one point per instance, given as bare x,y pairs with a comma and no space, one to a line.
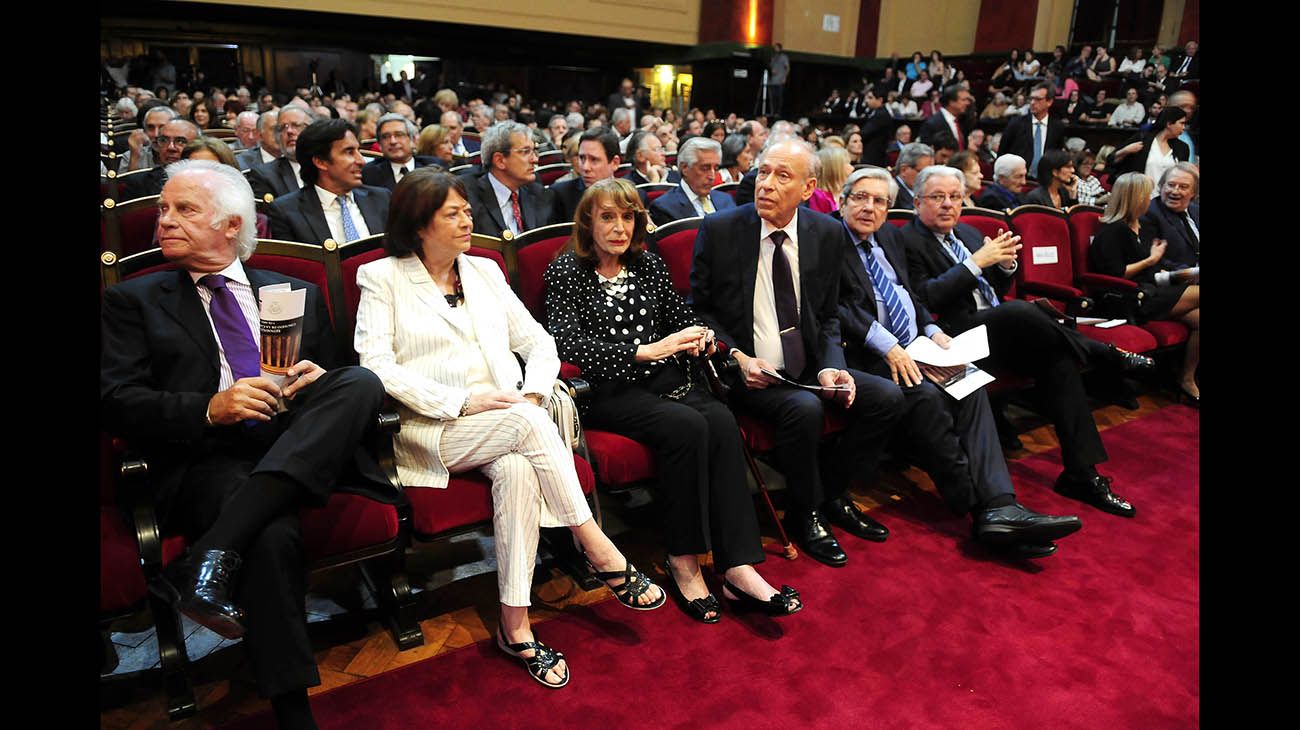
441,330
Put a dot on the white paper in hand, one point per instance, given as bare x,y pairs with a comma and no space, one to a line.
281,312
969,346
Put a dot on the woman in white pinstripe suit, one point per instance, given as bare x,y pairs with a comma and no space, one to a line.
440,328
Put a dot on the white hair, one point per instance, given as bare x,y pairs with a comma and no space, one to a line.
232,197
870,173
1005,164
937,171
814,164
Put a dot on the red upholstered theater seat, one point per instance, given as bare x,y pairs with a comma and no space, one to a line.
348,523
618,459
900,216
761,437
988,221
536,249
730,188
548,174
121,582
466,501
674,242
654,190
1167,333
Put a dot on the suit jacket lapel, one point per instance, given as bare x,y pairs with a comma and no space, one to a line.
751,229
809,262
375,218
285,168
181,301
427,291
488,195
310,209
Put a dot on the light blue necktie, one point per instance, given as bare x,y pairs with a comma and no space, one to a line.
1038,148
959,251
349,228
899,322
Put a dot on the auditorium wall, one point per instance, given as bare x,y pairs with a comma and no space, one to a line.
1052,28
800,25
661,21
909,25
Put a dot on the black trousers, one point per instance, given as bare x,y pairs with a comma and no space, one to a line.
701,469
954,441
312,443
1023,340
815,470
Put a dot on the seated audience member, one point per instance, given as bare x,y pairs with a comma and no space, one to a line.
227,471
931,106
736,159
1099,111
1004,192
205,115
905,108
1189,66
1090,190
976,142
780,131
1077,67
1155,151
209,148
507,197
1056,181
1118,249
961,275
365,121
441,330
1102,66
1153,113
648,388
1174,218
902,137
480,118
557,128
1158,57
245,127
1100,168
1133,64
450,120
167,148
945,146
794,329
668,138
284,175
831,169
970,169
397,143
955,441
151,118
1018,107
435,142
920,89
1029,68
598,158
915,66
853,145
333,202
571,158
834,103
253,139
996,108
648,162
912,159
698,159
1075,107
1003,80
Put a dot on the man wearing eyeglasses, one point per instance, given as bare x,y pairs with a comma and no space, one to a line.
1029,135
397,136
167,147
961,275
955,441
284,175
506,196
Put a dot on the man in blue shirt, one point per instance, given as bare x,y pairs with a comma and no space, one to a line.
955,441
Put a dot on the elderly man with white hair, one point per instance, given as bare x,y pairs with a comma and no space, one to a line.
180,376
1004,192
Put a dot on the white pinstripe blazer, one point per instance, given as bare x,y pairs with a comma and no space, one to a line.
405,337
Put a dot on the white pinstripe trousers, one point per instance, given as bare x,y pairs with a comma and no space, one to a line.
534,484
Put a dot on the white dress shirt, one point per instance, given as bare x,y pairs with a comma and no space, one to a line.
767,332
503,204
267,157
397,174
329,202
952,125
238,284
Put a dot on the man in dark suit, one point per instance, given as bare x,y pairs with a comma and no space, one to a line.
912,159
268,147
1008,182
1174,217
229,472
780,131
167,147
754,266
877,130
952,115
396,136
1023,133
284,175
955,441
332,203
961,276
698,158
507,197
1189,66
647,154
598,158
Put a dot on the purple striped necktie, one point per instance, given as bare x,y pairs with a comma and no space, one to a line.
232,329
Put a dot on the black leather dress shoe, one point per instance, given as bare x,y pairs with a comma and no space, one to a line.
1030,551
1130,361
1095,491
844,514
811,533
1014,524
208,602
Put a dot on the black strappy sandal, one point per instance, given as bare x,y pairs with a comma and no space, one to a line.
544,658
697,608
634,585
780,604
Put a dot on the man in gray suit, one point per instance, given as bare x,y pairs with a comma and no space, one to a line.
268,147
284,175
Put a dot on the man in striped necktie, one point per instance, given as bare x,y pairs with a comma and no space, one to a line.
955,441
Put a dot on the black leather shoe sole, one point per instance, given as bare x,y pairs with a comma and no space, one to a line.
820,555
1030,551
1103,502
997,534
226,626
872,530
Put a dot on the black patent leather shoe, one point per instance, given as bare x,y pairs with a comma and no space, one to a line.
813,535
697,608
782,603
1130,361
207,601
844,514
1014,524
1096,492
1029,550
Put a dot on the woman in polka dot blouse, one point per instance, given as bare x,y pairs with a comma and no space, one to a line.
613,312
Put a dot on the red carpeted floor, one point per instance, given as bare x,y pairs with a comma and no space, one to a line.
924,631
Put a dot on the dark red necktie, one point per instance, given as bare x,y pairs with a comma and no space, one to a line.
514,210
